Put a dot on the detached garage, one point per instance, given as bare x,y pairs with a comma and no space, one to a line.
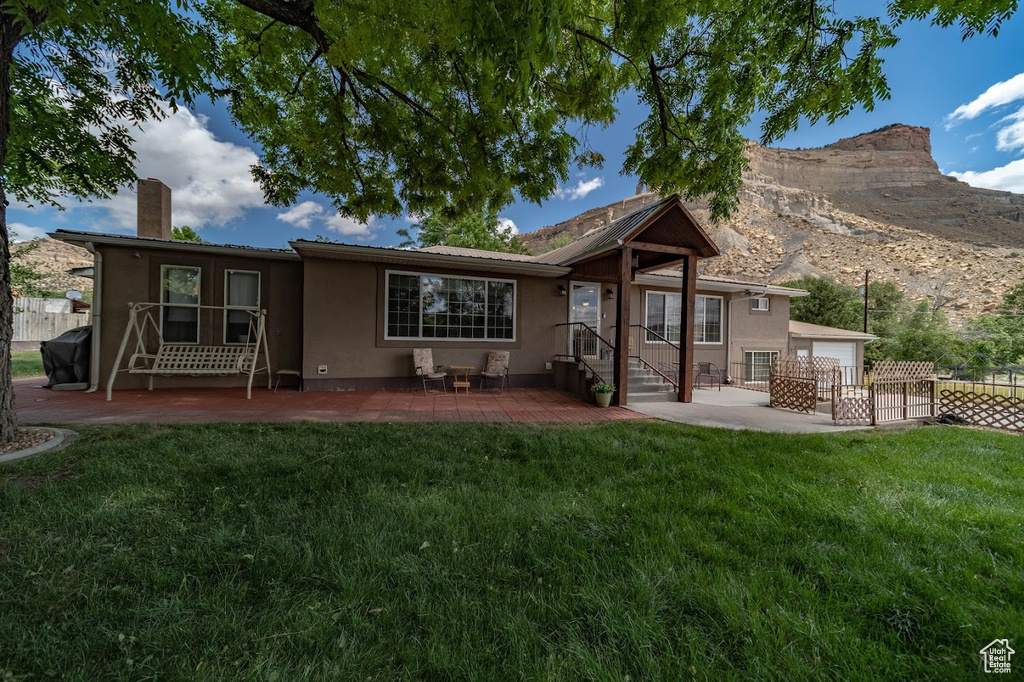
819,341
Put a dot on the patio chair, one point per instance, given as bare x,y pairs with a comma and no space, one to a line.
423,360
708,371
496,369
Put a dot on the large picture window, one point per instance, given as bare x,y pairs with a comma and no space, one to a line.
665,313
179,292
442,307
241,300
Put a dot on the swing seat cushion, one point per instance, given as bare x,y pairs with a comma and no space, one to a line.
193,360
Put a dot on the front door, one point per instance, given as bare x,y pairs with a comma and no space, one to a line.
585,307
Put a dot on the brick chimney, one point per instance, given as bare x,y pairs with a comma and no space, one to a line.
154,209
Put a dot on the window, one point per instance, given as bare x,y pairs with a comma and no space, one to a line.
759,364
179,292
707,323
759,304
440,307
241,299
664,317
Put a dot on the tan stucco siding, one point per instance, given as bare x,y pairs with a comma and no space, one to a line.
133,275
754,330
702,352
344,313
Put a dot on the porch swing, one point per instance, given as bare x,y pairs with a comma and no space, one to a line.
190,359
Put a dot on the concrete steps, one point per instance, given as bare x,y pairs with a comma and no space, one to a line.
644,385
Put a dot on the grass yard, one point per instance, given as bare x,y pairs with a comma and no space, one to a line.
426,551
26,363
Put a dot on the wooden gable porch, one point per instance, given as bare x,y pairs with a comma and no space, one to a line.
667,235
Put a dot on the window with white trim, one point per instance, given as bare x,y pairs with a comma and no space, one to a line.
180,286
664,317
759,364
760,304
707,322
423,306
241,300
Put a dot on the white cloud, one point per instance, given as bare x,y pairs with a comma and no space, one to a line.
210,179
582,189
1011,136
350,227
508,225
20,232
997,95
310,214
302,215
1008,178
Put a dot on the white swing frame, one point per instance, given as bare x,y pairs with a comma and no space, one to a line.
190,359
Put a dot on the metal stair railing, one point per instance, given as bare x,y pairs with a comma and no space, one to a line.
655,352
581,342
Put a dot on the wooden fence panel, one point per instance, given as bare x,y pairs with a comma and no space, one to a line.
903,400
984,409
42,319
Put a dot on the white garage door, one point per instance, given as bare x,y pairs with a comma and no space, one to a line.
846,351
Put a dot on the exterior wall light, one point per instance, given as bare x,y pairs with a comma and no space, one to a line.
562,290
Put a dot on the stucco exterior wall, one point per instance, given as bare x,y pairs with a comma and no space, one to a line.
754,330
344,329
133,275
702,352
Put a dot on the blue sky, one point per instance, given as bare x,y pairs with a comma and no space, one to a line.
971,95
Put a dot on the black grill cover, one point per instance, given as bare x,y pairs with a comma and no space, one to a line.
66,358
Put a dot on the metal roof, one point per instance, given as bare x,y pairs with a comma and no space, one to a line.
670,278
806,330
478,253
605,237
419,257
81,237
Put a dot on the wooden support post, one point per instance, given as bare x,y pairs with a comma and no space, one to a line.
689,290
621,372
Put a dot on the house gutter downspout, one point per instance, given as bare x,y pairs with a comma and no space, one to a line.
97,316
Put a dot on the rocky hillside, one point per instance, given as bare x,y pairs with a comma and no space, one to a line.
875,201
53,259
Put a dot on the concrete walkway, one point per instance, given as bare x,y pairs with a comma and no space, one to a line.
740,409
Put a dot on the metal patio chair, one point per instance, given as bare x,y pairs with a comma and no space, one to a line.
710,372
496,369
423,360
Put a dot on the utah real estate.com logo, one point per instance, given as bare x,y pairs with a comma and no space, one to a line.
996,656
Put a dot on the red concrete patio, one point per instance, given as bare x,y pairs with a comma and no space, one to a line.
38,405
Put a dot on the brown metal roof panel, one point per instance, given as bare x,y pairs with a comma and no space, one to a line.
603,237
478,253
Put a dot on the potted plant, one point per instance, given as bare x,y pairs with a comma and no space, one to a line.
603,393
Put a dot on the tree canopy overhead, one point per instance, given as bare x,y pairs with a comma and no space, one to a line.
447,107
479,230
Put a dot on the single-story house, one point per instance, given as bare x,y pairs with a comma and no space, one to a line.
345,316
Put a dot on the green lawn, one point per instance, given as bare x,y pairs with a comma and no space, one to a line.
26,363
627,551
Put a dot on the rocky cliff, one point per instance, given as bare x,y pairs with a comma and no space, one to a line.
875,201
52,259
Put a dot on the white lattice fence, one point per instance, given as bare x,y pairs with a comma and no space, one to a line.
984,409
794,384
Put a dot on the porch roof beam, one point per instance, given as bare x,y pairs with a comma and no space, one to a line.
662,248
